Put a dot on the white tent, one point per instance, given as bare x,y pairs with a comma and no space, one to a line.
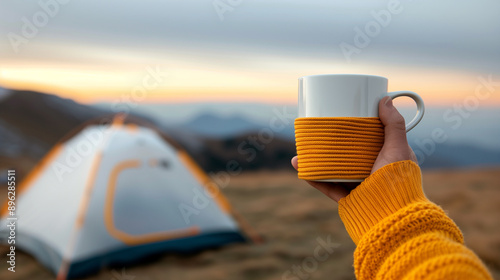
112,194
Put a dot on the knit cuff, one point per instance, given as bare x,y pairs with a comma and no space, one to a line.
389,189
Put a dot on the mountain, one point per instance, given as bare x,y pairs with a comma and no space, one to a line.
31,123
4,93
451,154
459,156
217,119
459,128
215,126
246,151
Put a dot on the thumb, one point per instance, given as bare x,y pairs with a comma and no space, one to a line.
394,123
395,146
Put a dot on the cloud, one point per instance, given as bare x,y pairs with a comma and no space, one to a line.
267,44
445,33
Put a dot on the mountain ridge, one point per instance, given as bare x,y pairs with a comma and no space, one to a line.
33,122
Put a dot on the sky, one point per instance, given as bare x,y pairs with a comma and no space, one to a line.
151,51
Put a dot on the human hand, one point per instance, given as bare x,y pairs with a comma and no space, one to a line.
395,149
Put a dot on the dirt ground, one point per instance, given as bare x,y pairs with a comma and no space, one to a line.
292,217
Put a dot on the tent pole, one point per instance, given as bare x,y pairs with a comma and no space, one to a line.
249,231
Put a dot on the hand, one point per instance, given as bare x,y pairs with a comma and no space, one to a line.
395,149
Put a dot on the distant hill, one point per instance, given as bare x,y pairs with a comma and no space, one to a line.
460,156
43,118
32,122
465,129
275,155
214,126
229,132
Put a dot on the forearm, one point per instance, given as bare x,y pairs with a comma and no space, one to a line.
400,234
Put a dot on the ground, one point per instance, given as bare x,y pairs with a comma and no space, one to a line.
292,218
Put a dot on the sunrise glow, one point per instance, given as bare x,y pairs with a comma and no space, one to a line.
185,83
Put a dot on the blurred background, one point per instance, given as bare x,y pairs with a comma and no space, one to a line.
220,77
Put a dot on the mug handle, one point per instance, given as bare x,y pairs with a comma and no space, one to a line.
420,106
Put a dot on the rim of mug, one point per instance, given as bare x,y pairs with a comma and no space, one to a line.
355,75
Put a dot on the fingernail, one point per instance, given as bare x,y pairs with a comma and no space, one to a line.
388,102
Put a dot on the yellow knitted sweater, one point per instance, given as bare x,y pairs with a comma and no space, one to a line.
400,234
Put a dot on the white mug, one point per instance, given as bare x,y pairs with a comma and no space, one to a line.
348,95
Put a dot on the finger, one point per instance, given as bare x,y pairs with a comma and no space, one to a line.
295,162
396,146
332,190
394,123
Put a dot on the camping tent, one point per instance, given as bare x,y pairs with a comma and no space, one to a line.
113,194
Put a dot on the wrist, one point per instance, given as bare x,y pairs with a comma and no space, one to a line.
383,193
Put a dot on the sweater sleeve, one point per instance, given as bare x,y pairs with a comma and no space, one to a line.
400,234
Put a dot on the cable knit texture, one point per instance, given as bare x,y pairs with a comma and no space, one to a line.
400,234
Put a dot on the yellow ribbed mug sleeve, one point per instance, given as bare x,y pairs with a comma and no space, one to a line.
337,147
400,234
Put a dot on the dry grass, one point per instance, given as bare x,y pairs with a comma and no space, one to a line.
290,216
